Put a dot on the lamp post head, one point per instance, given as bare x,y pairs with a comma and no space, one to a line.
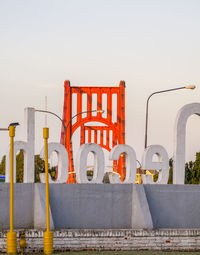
190,87
100,111
11,128
14,124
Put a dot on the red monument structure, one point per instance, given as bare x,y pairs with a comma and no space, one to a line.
108,126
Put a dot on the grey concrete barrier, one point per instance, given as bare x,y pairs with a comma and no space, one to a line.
102,206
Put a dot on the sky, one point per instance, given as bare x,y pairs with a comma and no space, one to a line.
150,44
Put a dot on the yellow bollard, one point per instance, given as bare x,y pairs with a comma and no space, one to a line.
11,243
22,242
48,242
48,236
11,236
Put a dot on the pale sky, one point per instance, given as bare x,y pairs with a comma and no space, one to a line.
151,44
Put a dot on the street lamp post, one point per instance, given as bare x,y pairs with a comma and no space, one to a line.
11,236
147,106
48,235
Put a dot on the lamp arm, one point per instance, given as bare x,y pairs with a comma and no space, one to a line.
52,113
147,109
163,91
77,115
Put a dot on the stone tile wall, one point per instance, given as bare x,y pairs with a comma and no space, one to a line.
77,240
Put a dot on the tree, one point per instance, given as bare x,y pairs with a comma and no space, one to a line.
192,171
39,167
170,179
3,165
19,166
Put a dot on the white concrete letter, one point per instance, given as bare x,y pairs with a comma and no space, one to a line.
179,136
130,164
162,166
62,162
81,163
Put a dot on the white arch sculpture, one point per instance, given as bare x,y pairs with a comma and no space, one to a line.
179,137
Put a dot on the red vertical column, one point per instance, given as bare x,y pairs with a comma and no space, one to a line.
89,135
101,137
68,114
114,142
109,118
63,135
108,138
122,106
121,114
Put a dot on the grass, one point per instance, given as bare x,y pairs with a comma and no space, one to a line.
127,253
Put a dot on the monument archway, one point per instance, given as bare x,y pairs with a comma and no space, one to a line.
117,126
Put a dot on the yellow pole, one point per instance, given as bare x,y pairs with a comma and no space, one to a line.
11,236
48,236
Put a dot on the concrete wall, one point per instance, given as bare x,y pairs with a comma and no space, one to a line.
91,205
102,206
23,205
174,206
